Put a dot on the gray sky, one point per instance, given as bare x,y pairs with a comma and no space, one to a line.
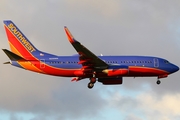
113,27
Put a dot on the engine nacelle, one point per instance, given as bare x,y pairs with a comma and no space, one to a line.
82,73
111,81
79,73
118,70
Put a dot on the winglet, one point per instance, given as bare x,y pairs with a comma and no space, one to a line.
69,35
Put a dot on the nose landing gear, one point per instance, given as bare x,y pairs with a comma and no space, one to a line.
161,76
158,82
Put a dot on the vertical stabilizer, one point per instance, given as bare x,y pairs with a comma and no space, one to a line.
19,44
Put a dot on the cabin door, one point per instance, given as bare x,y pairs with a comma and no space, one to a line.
42,63
156,62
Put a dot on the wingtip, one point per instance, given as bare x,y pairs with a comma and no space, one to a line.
66,29
69,35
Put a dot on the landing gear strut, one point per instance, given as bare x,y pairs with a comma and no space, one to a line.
158,82
92,81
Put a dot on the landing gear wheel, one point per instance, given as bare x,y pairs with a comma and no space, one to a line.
158,82
92,81
90,85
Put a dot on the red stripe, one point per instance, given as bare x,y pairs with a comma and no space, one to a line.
145,71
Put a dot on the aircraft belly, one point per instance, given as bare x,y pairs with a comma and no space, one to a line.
145,71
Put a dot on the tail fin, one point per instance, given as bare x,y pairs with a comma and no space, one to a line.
18,42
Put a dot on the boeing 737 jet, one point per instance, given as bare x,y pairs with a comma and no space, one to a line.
109,70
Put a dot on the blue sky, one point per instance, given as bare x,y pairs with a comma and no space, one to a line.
114,27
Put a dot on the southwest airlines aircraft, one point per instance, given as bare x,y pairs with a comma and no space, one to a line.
108,70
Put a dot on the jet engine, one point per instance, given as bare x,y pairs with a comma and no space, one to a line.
111,81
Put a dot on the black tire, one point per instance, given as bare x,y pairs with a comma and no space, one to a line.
158,82
90,85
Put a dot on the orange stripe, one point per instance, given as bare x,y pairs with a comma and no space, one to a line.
14,50
29,66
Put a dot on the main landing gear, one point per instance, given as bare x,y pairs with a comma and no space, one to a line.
92,81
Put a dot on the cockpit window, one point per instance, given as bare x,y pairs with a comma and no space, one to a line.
167,62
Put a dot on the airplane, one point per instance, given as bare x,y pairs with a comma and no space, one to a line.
109,70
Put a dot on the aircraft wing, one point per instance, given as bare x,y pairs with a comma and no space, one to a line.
86,57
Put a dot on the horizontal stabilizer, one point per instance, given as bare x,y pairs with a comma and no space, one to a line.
7,63
12,56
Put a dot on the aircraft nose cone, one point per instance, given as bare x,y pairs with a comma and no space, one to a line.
175,68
